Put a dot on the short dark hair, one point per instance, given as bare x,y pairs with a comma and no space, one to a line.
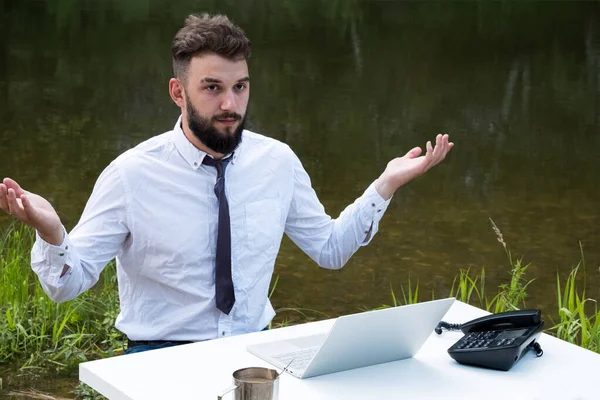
207,34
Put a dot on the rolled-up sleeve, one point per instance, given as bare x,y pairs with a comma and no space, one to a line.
331,242
87,249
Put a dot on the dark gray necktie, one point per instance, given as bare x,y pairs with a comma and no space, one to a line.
225,296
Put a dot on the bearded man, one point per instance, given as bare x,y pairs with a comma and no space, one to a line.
195,216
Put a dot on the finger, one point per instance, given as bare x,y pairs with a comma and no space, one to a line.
438,148
12,201
447,145
413,153
12,184
14,208
3,199
429,148
442,148
450,144
426,164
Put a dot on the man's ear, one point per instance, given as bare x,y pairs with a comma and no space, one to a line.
176,90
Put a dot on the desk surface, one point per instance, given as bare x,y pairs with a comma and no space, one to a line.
202,370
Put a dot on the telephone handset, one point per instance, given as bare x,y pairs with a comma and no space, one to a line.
496,341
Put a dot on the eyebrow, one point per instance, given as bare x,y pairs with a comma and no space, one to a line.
213,80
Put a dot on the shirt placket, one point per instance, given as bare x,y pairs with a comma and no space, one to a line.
225,323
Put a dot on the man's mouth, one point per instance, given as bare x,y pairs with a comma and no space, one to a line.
227,121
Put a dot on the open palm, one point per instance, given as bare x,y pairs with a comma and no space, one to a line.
402,170
31,209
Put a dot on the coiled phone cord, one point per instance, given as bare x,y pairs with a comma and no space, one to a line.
447,326
537,348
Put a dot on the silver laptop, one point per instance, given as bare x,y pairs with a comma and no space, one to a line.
357,340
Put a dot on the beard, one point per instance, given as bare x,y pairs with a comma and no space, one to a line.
211,137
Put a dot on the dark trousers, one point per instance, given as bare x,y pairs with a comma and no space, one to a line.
145,345
139,346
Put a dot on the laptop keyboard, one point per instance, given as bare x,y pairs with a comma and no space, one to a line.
301,357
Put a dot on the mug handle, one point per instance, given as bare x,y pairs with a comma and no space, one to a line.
229,389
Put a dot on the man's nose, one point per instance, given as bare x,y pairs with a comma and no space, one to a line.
228,102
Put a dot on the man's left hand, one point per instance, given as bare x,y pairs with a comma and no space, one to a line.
402,170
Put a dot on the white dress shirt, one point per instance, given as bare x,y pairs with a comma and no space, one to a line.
154,209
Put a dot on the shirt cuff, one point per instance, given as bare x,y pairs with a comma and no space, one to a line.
373,206
48,260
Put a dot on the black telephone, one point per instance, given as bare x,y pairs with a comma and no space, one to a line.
496,341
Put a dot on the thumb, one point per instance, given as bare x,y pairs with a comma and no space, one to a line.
11,184
29,209
413,153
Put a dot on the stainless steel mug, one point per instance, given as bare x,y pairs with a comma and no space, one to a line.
254,384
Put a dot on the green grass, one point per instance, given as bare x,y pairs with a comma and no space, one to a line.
39,335
578,316
510,296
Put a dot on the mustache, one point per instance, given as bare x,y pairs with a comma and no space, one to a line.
227,115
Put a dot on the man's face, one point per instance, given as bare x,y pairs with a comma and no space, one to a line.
216,100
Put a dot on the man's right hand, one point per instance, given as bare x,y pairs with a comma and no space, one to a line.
32,210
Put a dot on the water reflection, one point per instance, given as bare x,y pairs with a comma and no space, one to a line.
349,85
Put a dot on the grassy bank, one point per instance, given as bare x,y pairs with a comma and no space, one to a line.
39,335
39,338
576,320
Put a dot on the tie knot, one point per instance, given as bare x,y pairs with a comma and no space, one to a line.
220,165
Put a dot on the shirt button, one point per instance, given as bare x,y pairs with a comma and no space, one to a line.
378,210
223,333
372,204
195,164
61,254
66,247
366,232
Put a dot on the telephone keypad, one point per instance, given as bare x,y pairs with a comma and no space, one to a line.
483,340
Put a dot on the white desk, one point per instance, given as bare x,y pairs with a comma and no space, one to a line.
201,370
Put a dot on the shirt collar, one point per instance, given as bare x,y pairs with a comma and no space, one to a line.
192,155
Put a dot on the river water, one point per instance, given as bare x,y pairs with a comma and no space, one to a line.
348,85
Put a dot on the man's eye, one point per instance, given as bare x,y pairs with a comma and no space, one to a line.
212,88
240,87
